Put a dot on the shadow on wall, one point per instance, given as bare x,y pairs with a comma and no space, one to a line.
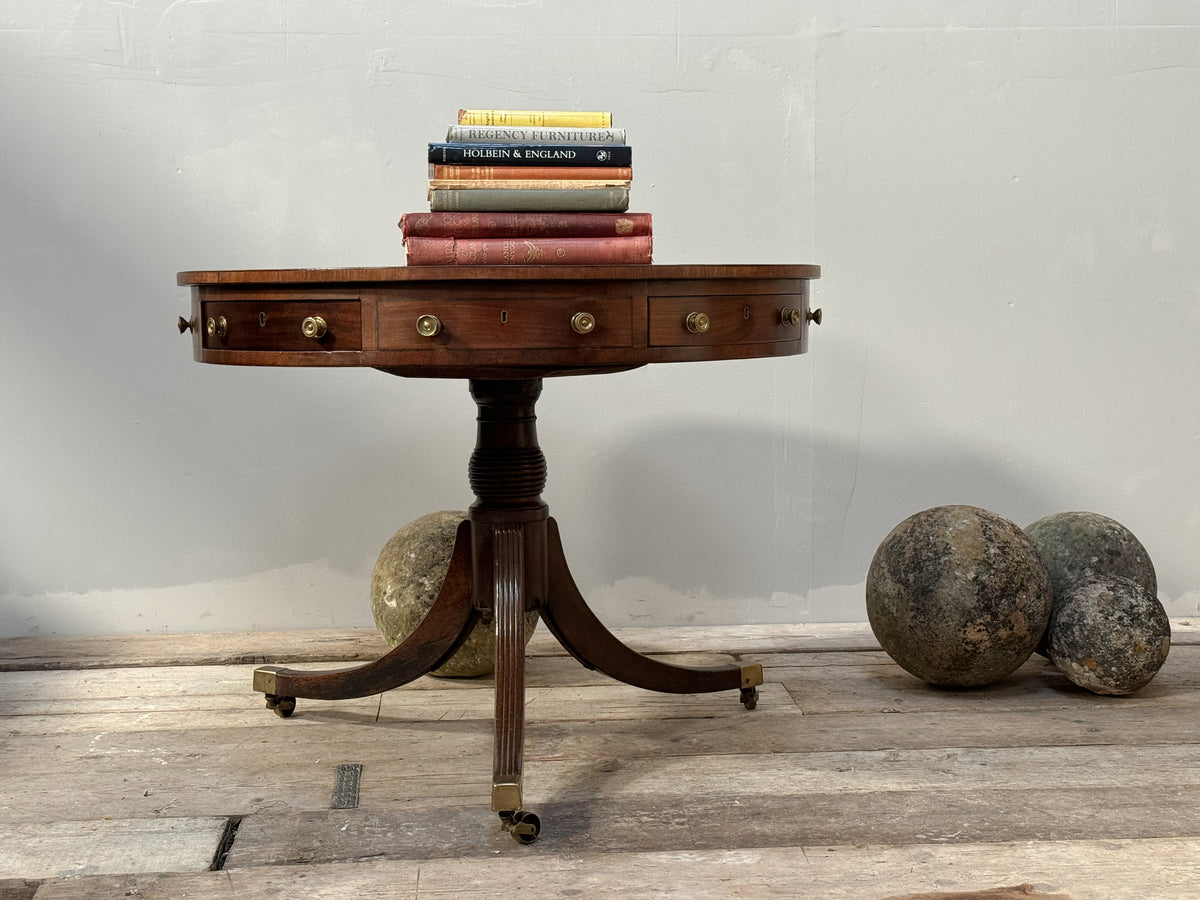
719,526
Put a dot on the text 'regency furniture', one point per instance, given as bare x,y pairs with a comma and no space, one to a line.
504,328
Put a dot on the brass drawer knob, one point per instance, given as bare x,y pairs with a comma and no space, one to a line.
186,324
814,316
314,327
697,322
217,327
583,323
791,315
429,326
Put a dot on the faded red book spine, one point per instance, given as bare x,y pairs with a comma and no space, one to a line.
526,173
524,224
572,251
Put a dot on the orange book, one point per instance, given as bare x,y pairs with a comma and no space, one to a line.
512,184
521,173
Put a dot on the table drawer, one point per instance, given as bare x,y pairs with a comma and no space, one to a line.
740,319
273,325
504,323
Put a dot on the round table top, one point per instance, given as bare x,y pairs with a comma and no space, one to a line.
498,321
392,274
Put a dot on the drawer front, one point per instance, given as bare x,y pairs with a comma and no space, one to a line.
495,324
741,319
316,325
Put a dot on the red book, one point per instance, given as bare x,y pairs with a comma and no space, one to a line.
567,251
524,224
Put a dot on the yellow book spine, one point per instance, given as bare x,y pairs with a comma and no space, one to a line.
535,118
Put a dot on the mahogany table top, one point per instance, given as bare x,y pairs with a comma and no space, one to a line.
498,321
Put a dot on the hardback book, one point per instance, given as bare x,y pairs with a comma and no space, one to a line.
484,173
526,184
502,134
577,251
530,154
602,199
543,118
524,224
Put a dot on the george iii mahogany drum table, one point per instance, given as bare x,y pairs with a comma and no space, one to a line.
504,329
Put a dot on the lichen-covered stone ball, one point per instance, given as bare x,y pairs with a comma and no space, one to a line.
958,596
1081,545
1108,634
407,578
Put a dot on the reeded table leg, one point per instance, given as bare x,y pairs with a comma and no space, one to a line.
507,759
508,545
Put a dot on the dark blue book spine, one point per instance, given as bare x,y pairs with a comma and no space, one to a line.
530,154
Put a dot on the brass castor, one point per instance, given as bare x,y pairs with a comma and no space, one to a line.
750,697
283,706
523,825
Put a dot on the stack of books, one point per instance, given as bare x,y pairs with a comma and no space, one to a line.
529,188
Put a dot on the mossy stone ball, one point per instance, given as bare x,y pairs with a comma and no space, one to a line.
406,581
958,596
1081,545
1108,634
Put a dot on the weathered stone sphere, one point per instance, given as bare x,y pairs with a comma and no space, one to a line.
1081,545
407,578
1108,634
958,596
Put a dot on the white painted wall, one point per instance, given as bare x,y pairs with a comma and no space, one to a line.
1004,198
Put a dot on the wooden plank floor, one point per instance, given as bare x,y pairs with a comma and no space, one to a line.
135,766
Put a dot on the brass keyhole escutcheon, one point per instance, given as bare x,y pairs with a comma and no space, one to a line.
429,326
583,323
314,327
697,322
217,327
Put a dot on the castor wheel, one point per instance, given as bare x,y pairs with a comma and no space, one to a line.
523,825
749,697
283,706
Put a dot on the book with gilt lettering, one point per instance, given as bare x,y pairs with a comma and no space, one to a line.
501,154
496,134
521,173
546,118
485,224
530,251
527,184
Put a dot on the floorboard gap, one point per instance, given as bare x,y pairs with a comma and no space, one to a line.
226,843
